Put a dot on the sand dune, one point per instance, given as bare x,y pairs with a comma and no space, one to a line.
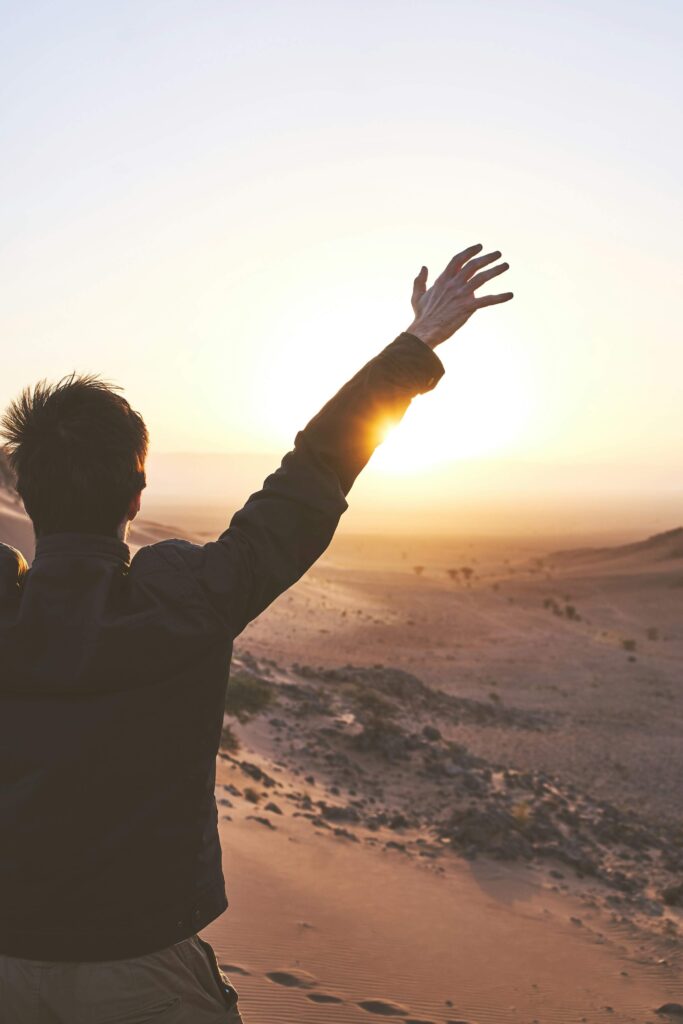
661,547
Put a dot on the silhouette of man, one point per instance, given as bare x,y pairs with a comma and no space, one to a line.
113,675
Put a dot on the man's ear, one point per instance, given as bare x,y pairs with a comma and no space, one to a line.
134,506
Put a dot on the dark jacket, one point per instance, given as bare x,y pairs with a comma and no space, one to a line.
112,686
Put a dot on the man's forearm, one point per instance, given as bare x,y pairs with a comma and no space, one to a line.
283,528
346,431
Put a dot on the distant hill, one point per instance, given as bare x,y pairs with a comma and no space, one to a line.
661,547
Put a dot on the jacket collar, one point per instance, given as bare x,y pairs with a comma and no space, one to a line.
91,545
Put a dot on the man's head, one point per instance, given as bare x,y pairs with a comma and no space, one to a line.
78,453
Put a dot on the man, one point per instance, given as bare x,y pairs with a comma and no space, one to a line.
113,676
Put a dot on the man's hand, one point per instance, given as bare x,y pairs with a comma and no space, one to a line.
451,301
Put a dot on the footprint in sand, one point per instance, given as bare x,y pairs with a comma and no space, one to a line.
384,1008
234,969
292,978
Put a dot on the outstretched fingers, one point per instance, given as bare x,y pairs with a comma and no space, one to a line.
479,279
457,263
491,300
486,275
472,266
449,303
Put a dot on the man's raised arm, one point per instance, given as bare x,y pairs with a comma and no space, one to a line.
285,527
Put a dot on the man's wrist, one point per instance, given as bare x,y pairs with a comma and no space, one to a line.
422,335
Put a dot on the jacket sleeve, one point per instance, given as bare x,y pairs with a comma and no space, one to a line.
285,527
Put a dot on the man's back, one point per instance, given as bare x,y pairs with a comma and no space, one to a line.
113,683
114,680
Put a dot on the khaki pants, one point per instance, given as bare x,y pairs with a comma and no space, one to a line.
181,984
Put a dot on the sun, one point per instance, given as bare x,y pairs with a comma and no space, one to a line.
488,414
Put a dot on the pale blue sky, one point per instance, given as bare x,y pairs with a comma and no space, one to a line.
222,207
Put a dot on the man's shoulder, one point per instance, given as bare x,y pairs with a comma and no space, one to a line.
170,573
170,554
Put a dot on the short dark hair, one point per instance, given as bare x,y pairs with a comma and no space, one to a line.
78,452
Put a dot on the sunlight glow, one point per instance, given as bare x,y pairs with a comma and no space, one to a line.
486,402
487,415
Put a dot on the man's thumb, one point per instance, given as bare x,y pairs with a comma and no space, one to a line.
420,283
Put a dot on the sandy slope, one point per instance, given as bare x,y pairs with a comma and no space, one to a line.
315,917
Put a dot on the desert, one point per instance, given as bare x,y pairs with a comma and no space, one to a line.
449,781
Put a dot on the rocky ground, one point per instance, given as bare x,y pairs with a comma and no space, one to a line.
371,748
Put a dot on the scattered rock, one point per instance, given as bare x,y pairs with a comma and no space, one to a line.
336,813
254,772
344,833
430,732
262,821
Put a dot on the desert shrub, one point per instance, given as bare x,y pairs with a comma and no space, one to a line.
384,737
247,696
628,645
371,704
652,633
376,713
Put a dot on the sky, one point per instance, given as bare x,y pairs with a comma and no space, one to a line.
221,206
